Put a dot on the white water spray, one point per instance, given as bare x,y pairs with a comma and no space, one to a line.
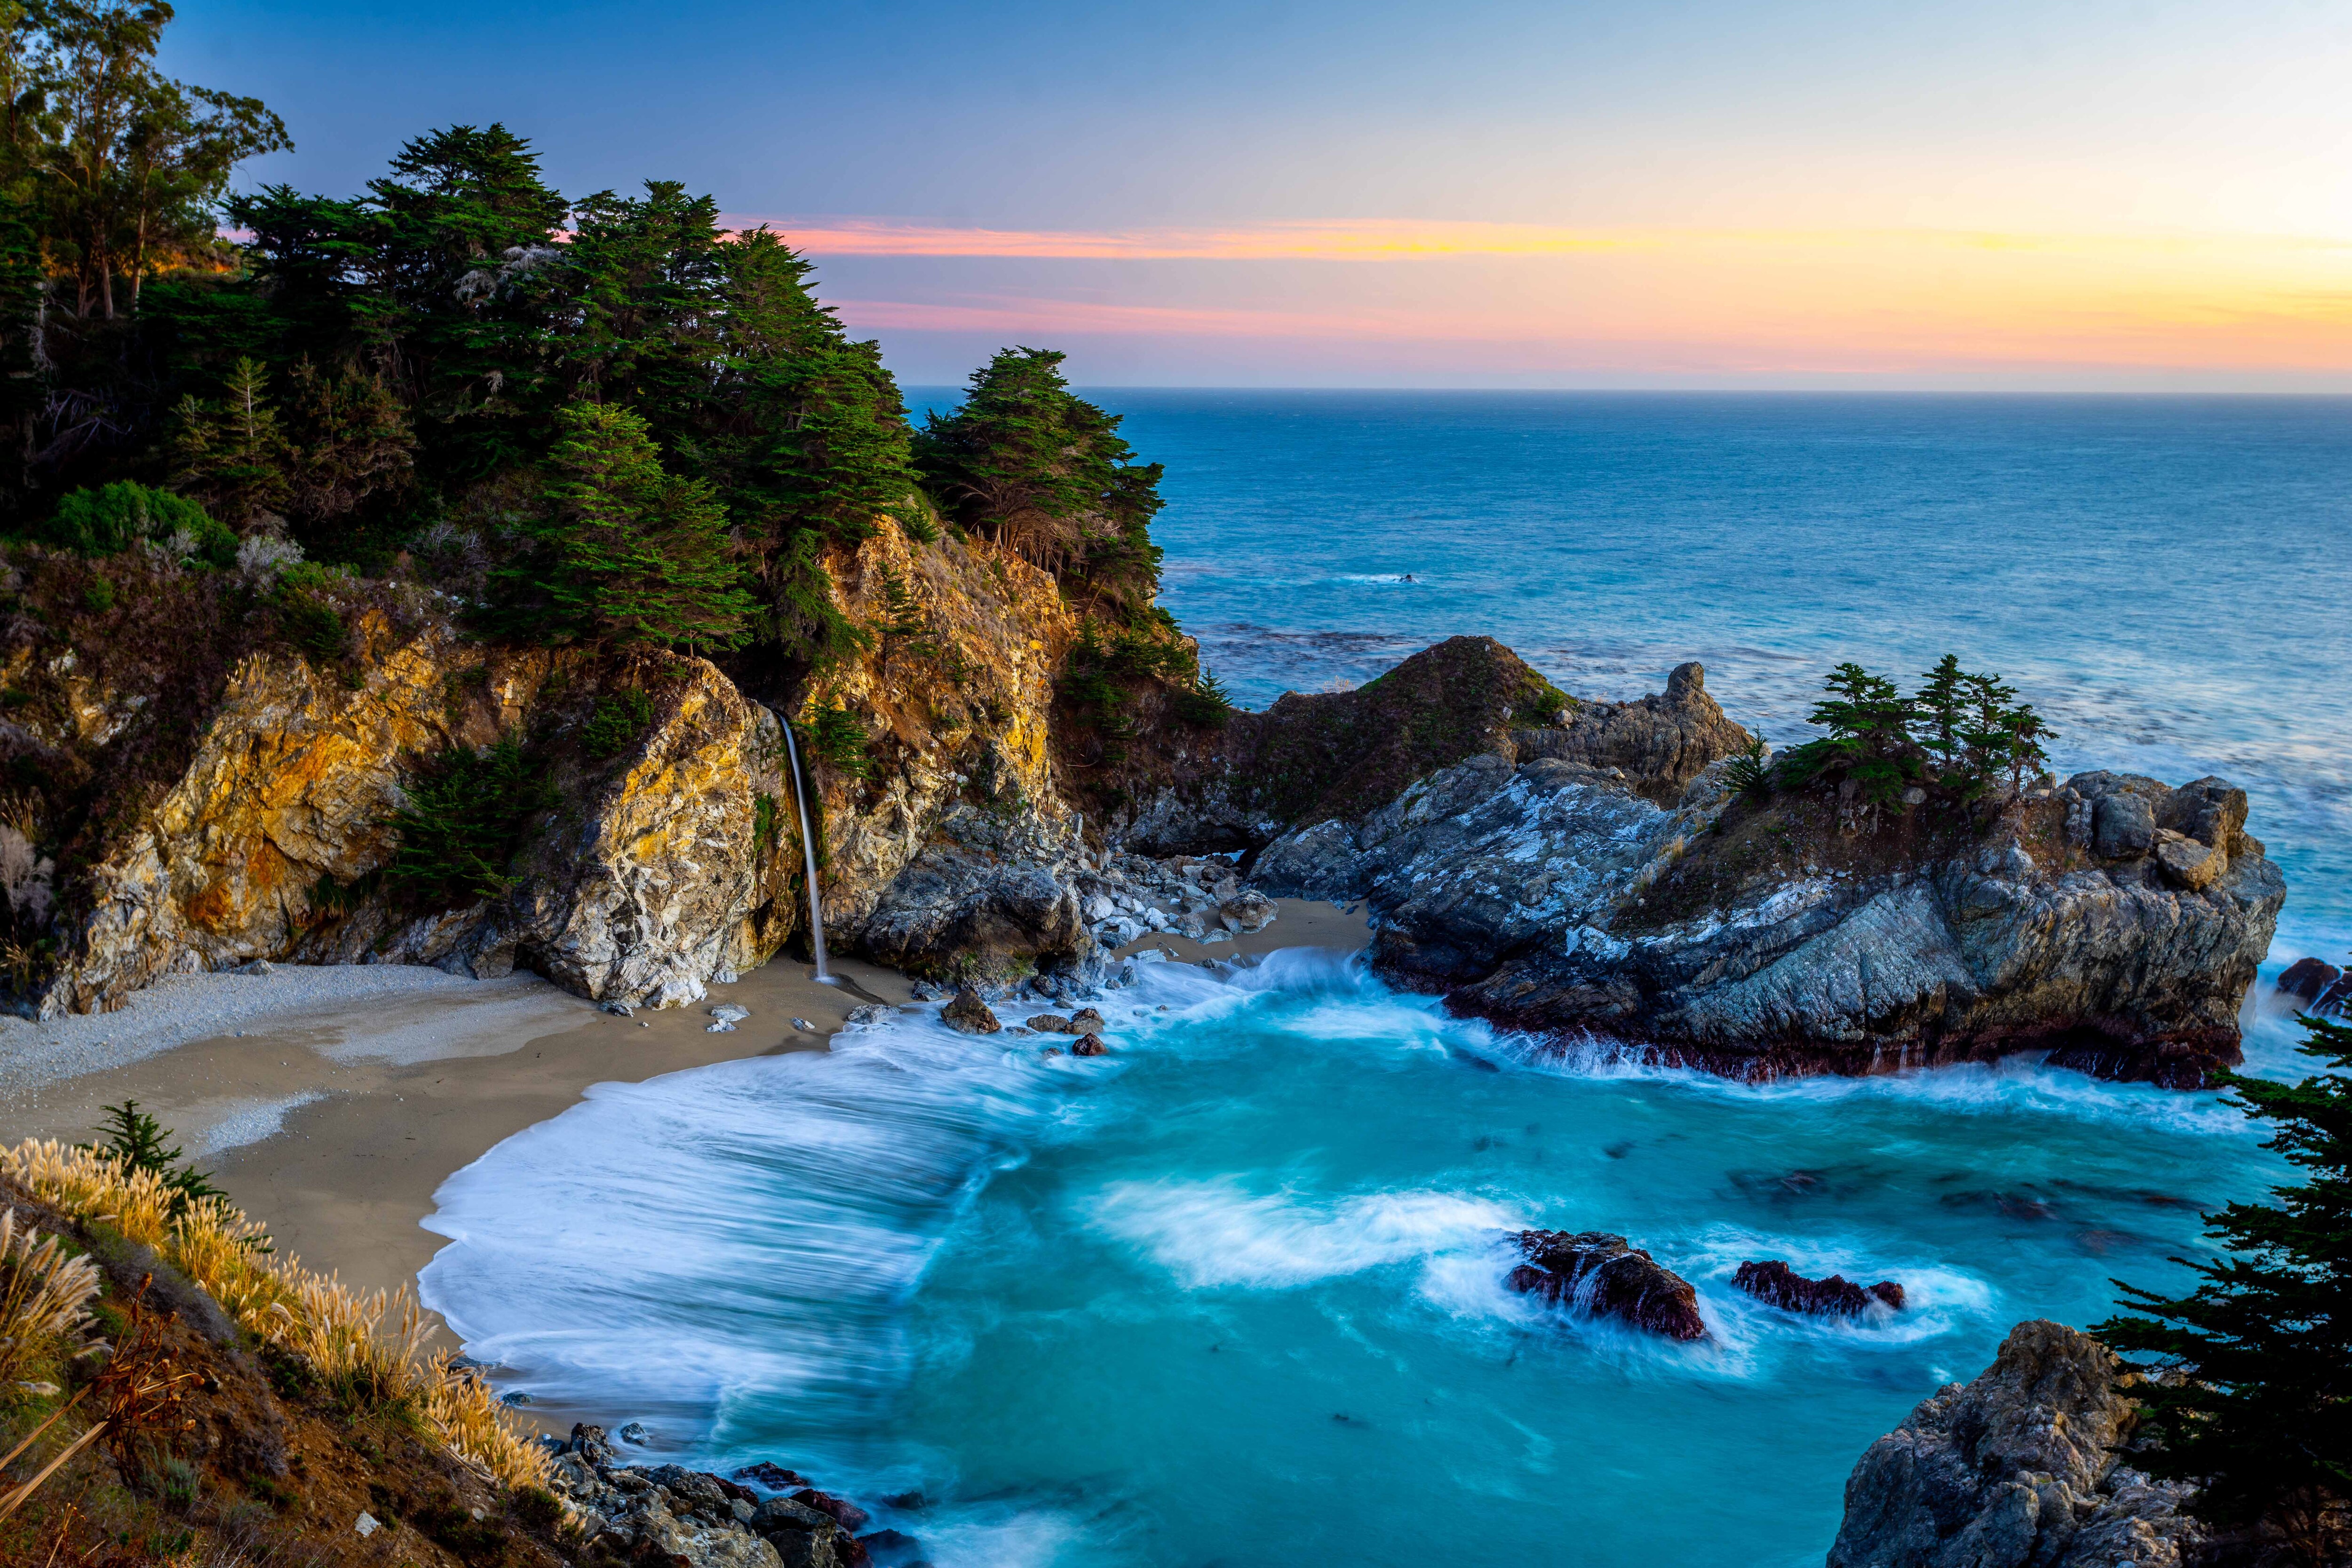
808,861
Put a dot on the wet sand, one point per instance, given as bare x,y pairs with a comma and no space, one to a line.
334,1115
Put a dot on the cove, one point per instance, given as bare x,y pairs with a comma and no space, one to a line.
1234,1293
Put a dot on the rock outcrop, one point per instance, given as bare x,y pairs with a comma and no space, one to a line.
1775,1282
1767,940
2027,1465
1609,1277
669,1514
653,875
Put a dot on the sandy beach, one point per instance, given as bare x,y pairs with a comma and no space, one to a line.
331,1103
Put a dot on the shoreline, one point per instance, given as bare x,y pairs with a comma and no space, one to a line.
330,1103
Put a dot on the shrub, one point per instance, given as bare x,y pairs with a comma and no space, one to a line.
1204,703
309,616
620,720
111,520
464,818
839,736
98,596
1749,773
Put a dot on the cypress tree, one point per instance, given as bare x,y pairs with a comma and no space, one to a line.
2259,1412
631,556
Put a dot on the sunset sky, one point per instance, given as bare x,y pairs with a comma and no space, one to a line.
2070,193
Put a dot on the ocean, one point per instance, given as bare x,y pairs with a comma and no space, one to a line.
1234,1294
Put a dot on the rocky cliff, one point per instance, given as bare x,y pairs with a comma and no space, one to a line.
671,853
651,875
2027,1465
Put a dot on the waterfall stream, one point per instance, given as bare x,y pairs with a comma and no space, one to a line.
808,859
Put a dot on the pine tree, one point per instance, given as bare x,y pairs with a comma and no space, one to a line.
631,556
232,454
2259,1412
138,1140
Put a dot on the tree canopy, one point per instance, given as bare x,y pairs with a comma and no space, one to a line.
2253,1400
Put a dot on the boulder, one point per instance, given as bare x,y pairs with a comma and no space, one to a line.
1091,1046
2321,987
1086,1021
1776,1283
1608,1276
969,1014
1246,911
772,1476
847,1514
2123,826
1656,745
2024,1465
1050,1024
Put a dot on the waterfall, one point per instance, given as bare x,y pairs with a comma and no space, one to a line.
808,859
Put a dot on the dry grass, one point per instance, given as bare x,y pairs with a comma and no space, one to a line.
42,1298
364,1346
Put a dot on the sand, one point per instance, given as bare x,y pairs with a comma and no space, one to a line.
330,1103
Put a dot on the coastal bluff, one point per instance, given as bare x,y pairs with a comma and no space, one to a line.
1583,871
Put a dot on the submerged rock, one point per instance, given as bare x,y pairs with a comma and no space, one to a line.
1776,1283
1609,1277
969,1014
2024,1465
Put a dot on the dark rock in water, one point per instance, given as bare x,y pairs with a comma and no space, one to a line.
847,1514
1086,1021
969,1014
892,1549
2323,988
1050,1024
635,1432
1091,1046
2024,1465
1609,1277
774,1477
1776,1283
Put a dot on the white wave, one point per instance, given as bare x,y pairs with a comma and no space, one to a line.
1938,1300
1215,1234
2018,1085
747,1228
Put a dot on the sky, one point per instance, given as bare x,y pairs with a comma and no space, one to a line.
2060,196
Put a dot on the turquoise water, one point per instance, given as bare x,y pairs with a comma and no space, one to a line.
1233,1293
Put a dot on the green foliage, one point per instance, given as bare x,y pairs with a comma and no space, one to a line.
630,555
620,720
1205,703
98,595
764,823
838,736
1960,734
131,1135
109,519
1749,773
1045,474
463,820
309,618
2258,1410
1540,704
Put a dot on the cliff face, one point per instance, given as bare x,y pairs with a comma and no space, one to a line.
2024,1465
649,876
954,850
944,840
